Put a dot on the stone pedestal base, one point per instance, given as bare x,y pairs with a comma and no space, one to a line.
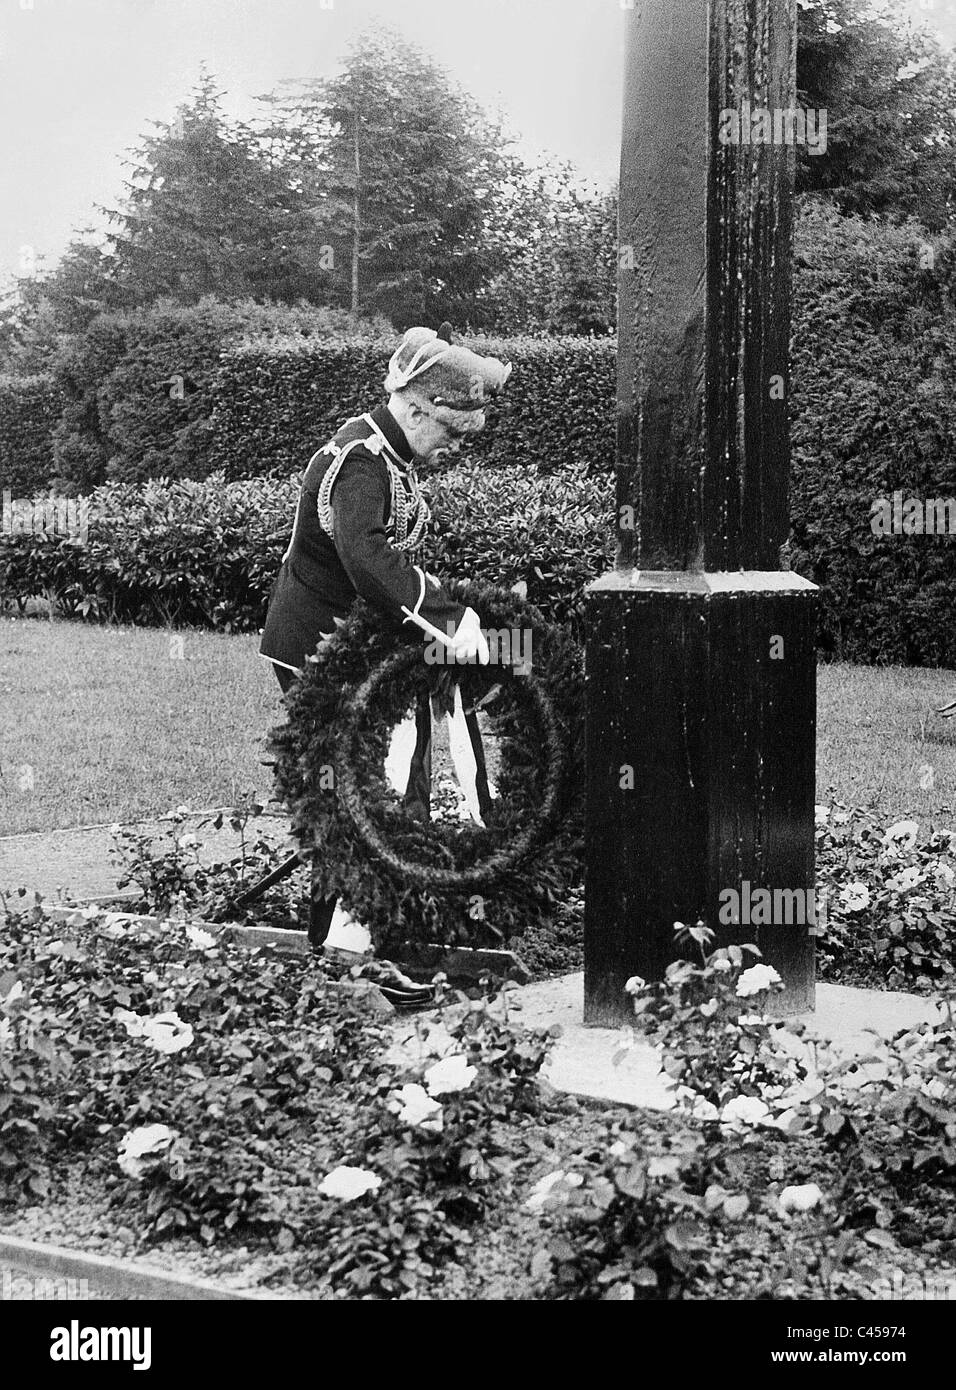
701,731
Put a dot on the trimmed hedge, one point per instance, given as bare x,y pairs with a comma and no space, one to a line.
29,409
873,372
137,386
275,402
206,553
873,410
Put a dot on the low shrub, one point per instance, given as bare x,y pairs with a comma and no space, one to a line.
206,553
630,1226
171,875
186,553
889,901
718,1045
634,1223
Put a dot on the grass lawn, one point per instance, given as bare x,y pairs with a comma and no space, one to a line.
880,743
113,724
117,726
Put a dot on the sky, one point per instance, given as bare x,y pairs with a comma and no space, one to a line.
80,81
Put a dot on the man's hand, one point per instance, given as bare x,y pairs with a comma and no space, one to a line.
469,639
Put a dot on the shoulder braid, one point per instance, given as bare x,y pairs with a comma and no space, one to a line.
409,513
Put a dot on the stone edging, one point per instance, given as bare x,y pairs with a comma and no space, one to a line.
124,1278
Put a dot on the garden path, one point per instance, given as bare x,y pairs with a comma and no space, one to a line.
78,862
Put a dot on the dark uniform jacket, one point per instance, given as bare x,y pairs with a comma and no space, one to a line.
362,485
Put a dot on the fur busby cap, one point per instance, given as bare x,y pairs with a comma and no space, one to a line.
446,374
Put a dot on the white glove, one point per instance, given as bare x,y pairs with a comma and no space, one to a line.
469,639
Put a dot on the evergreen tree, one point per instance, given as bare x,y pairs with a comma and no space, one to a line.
39,310
889,91
207,213
400,170
555,240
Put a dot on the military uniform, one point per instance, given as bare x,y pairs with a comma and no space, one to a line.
360,514
360,518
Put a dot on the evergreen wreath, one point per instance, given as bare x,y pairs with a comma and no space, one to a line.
458,885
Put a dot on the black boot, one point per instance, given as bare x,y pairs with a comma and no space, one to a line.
321,911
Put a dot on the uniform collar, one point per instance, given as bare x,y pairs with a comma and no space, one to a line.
394,434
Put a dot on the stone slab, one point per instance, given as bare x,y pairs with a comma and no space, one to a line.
582,1061
701,582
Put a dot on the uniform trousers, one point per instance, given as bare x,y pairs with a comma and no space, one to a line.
417,802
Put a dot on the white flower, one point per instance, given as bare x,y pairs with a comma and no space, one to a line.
753,1018
756,980
450,1074
202,940
544,1187
855,897
165,1033
634,985
821,814
182,810
14,993
694,1102
618,1149
114,925
803,1198
187,841
116,828
704,1109
663,1166
840,817
710,1008
168,1033
141,1145
417,1108
348,1183
906,879
722,964
935,1088
742,1111
81,915
902,835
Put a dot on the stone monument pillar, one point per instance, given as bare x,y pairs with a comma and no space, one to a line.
701,672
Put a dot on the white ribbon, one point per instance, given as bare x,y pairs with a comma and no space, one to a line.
401,749
463,757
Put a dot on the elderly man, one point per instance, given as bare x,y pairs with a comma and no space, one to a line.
360,519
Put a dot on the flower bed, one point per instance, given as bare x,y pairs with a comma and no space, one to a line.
886,896
165,1088
889,901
